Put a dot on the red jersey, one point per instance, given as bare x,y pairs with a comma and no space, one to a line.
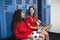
31,20
22,30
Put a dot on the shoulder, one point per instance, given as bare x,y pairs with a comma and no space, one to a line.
28,17
21,23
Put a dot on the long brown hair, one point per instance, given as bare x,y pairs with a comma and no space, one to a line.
33,14
16,18
29,11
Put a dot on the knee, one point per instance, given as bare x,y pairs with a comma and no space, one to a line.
42,36
46,34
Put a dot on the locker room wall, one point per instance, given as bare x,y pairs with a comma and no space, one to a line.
55,16
9,6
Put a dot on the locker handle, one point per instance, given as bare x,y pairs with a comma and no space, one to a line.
25,6
6,8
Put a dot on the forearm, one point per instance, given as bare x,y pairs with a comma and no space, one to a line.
33,27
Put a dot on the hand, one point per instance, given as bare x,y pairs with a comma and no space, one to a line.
30,36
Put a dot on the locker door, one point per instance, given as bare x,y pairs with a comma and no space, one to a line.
27,4
0,15
35,3
48,12
8,10
45,12
19,4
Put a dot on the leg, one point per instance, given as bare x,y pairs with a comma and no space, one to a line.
41,39
41,36
46,34
29,38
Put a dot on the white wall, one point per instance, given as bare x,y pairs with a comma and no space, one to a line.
55,16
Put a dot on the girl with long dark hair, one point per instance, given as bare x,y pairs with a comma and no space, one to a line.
31,21
19,26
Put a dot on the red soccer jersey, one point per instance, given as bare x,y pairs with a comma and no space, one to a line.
22,30
31,20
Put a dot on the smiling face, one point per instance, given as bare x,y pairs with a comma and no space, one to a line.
22,14
31,11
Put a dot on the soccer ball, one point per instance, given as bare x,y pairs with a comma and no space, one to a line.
35,35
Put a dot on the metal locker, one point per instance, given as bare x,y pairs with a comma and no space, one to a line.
48,15
27,4
0,16
8,10
45,13
19,4
35,3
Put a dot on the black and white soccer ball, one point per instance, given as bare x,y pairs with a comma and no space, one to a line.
35,35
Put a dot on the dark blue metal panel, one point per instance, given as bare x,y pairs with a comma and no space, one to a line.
8,17
35,3
0,18
19,1
48,14
8,22
8,2
20,5
27,1
1,5
45,13
8,10
26,6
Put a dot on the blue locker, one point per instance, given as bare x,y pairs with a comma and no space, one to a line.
45,13
35,3
1,11
19,4
8,10
48,15
0,15
27,5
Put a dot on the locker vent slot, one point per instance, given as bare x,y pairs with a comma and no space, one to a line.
27,1
8,21
19,1
34,1
8,2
